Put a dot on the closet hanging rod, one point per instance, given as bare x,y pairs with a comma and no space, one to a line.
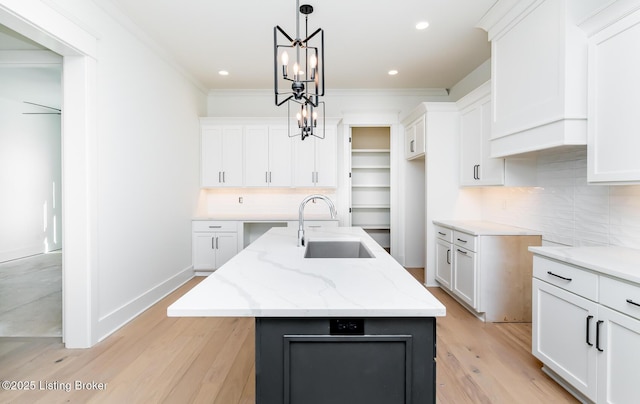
42,113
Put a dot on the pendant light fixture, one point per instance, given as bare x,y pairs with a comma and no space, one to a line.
301,85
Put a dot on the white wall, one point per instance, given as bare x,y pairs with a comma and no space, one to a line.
30,160
147,171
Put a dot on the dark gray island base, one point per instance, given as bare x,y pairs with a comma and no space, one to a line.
309,360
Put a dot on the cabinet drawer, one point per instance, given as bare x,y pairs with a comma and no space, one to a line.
444,233
567,277
214,225
621,296
465,240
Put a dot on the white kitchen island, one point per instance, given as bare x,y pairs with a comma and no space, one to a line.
327,329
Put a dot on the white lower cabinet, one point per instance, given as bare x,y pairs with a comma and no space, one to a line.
486,267
618,374
562,338
465,276
443,262
591,349
214,243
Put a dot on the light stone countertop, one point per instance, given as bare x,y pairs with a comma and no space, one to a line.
620,262
265,217
271,278
483,228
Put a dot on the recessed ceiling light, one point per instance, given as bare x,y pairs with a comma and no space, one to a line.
223,73
393,72
422,25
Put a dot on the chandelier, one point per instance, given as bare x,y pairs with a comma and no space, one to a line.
301,85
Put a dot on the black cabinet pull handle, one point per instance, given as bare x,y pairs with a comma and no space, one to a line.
448,256
558,276
442,234
213,243
633,303
462,241
589,318
598,335
462,252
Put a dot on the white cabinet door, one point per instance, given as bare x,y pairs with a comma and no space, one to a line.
618,373
304,169
470,145
477,168
204,251
614,96
316,160
564,335
443,263
211,157
268,157
226,247
415,139
327,159
232,159
256,154
465,276
221,156
280,157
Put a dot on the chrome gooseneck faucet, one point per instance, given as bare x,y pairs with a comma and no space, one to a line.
332,208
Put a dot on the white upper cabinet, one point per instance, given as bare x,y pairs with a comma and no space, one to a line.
280,157
221,156
256,157
415,139
315,160
268,156
538,75
477,167
614,95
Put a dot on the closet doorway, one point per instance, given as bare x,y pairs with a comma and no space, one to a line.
370,176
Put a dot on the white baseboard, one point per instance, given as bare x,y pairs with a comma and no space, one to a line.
113,321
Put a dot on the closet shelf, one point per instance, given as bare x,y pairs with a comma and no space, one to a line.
371,206
373,226
370,150
370,166
370,186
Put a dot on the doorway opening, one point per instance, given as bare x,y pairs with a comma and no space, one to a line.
371,182
30,177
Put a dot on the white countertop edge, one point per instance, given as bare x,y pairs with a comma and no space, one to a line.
320,313
619,262
484,228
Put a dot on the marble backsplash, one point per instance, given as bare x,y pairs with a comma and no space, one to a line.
565,208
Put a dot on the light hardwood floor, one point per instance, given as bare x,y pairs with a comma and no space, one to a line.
157,359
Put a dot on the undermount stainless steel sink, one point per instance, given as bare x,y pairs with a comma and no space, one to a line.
336,249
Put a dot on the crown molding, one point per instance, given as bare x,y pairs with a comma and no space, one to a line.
403,92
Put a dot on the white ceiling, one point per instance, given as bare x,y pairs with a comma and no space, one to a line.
364,39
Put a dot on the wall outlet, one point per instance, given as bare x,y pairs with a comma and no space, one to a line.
240,199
